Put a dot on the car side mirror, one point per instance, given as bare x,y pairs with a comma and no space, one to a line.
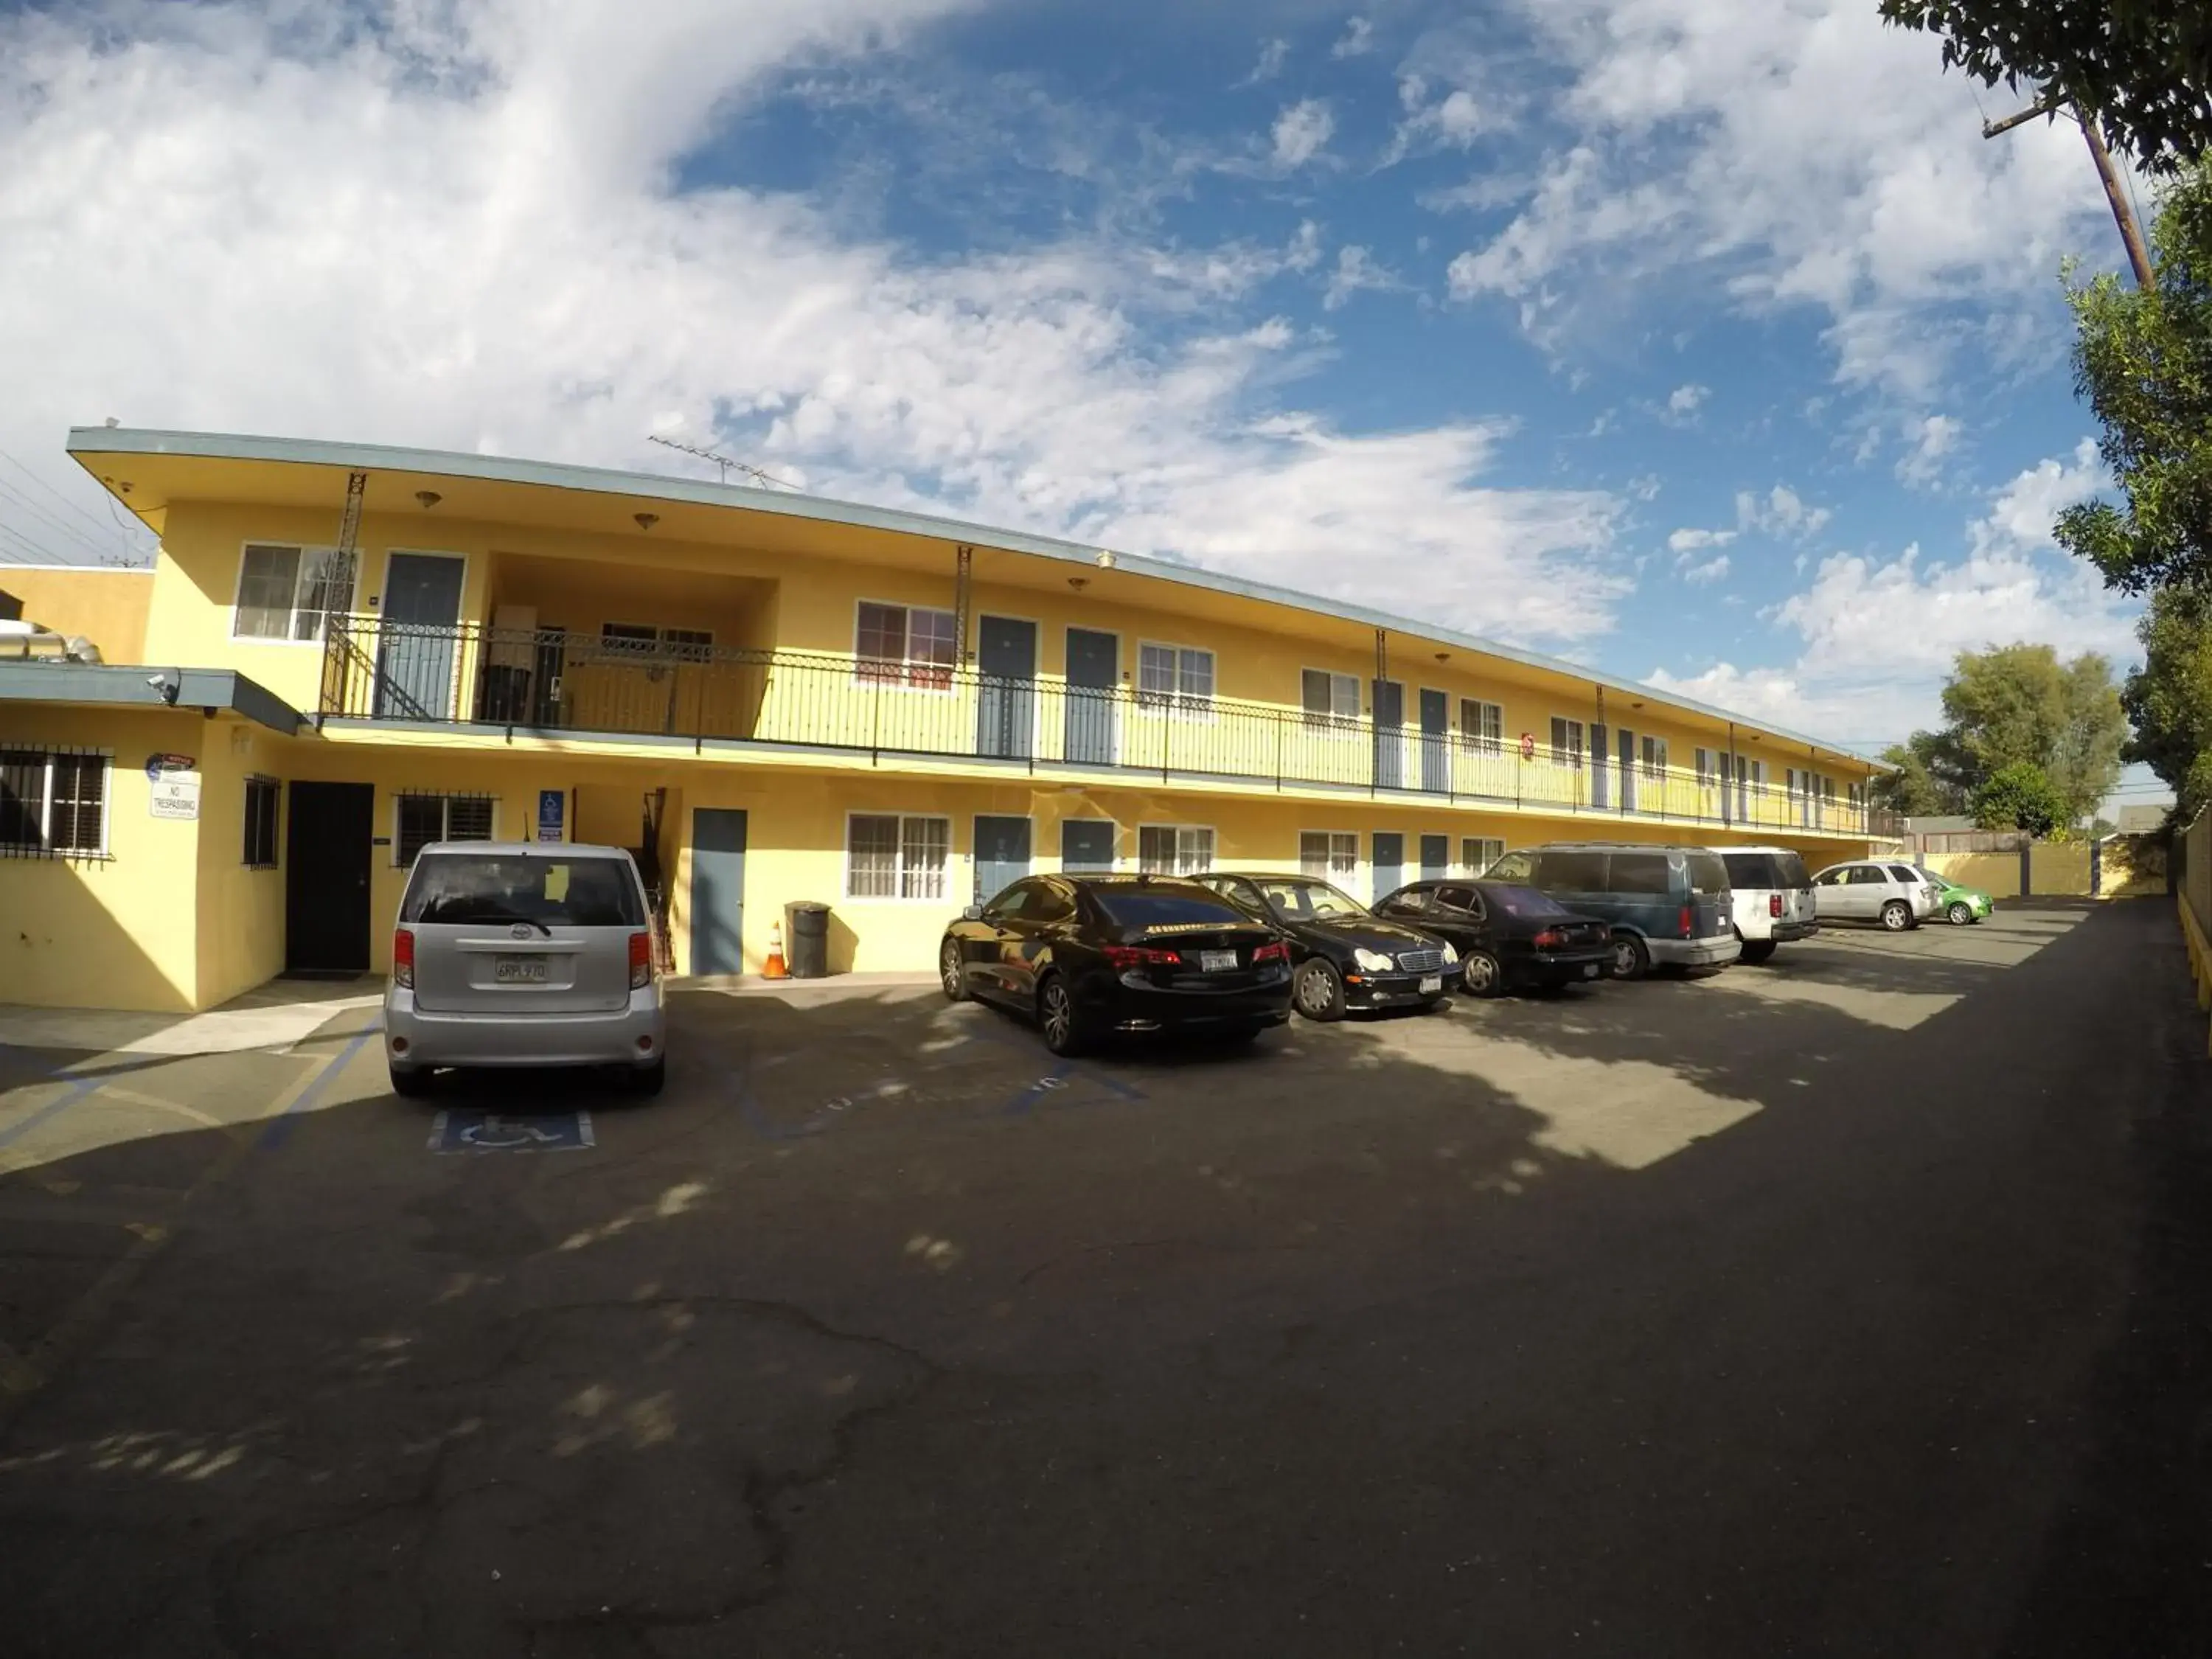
973,913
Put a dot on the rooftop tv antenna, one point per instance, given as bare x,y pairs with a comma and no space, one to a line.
722,461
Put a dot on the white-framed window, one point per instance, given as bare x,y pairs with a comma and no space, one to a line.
1331,855
1330,699
897,855
1478,852
1174,849
53,802
419,819
1177,676
285,591
1755,771
263,796
656,644
1712,768
1566,741
1858,795
1481,727
1654,759
905,645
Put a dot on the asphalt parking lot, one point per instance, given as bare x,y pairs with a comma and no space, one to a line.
1851,1304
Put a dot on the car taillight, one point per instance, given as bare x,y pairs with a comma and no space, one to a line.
1277,951
1550,939
641,961
1774,904
403,958
1139,955
1689,922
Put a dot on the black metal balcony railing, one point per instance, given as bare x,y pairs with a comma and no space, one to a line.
545,680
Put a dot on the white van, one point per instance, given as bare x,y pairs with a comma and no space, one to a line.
1774,900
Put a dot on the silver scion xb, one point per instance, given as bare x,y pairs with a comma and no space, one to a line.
523,954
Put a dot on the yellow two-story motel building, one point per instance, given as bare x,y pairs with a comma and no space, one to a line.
767,697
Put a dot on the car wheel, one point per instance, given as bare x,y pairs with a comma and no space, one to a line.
1756,950
1897,915
1961,913
1063,1033
1318,991
949,973
1630,959
647,1081
409,1082
1482,974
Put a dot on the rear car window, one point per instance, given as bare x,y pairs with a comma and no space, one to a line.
458,888
1900,874
1525,902
1167,907
1641,873
1708,875
1790,871
1571,873
1751,870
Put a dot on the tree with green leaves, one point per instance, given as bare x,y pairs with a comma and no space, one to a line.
2144,67
2143,360
2011,705
2019,796
2169,699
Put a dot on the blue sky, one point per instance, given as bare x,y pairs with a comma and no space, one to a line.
1702,340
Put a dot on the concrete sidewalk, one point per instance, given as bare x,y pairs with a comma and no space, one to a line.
275,1016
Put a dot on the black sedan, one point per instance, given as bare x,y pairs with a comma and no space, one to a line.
1505,935
1087,956
1345,956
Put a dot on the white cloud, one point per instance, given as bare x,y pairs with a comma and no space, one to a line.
1684,399
1358,39
1356,269
1800,153
1453,121
1876,635
1695,541
1931,438
1780,511
1272,55
1711,571
472,241
1301,132
1304,251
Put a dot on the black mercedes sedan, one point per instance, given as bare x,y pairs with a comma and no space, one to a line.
1505,935
1091,957
1345,957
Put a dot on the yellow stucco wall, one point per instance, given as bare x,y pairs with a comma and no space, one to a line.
108,607
123,931
241,910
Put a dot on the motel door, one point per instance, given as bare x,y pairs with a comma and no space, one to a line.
718,891
415,654
1006,704
327,862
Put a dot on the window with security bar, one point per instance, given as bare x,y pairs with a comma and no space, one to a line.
423,819
53,803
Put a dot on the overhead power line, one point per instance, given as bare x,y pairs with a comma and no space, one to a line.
95,523
29,511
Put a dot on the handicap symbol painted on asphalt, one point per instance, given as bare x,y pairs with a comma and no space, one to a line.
499,1132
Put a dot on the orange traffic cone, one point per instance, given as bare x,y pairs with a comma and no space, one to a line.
774,967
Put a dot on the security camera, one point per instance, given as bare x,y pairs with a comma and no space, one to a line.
167,687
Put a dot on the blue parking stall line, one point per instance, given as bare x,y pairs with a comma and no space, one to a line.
274,1137
53,1108
1021,1103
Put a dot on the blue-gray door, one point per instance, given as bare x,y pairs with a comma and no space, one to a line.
1002,854
718,891
1005,709
1389,863
1086,846
1436,857
1094,689
1627,770
1435,752
1389,734
415,654
1600,766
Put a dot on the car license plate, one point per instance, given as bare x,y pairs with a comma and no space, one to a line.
1432,984
1217,961
1591,971
520,971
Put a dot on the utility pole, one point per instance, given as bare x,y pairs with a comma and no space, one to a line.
2115,191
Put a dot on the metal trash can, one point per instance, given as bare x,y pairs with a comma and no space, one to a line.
806,929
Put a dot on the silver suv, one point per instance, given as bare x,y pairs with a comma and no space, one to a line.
1874,890
523,954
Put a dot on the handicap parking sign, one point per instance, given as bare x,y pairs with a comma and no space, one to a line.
503,1132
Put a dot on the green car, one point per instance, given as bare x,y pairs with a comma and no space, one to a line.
1960,906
